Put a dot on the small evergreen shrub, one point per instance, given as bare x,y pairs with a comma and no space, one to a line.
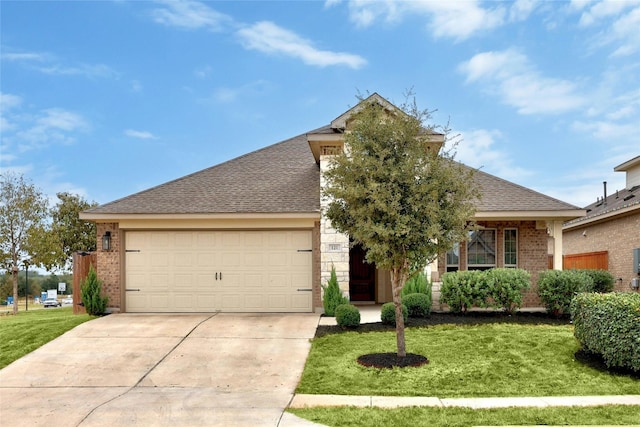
417,284
505,286
347,316
462,290
557,288
388,313
418,305
609,325
602,280
333,295
91,292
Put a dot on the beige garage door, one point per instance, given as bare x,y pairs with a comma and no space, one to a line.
206,271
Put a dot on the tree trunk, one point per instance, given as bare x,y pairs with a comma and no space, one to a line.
398,279
14,274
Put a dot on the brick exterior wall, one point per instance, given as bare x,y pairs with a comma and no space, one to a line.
532,254
108,266
618,236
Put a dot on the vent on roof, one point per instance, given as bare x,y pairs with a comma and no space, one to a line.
630,196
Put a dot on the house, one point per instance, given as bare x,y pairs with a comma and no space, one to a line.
609,235
248,235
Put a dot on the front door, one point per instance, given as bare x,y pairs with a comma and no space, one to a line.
362,276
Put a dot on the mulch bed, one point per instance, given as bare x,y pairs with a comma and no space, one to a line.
391,360
472,318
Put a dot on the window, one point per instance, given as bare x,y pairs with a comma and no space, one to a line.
510,248
481,250
453,258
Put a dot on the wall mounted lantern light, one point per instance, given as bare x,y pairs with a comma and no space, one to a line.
106,241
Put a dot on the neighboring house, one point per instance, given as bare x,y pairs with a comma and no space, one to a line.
610,232
248,235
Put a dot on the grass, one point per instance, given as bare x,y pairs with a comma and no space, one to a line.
22,333
450,417
464,361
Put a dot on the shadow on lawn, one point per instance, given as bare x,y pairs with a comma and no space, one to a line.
473,318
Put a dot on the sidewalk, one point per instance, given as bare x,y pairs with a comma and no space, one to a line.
389,402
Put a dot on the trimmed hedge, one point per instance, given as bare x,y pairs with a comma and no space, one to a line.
494,288
603,281
609,325
557,288
347,316
388,313
462,290
418,305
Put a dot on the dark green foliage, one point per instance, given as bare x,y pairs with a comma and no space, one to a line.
388,313
462,290
505,286
417,284
418,305
557,288
609,325
602,280
347,316
333,295
92,298
495,288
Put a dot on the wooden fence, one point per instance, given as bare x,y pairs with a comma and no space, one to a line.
81,263
588,261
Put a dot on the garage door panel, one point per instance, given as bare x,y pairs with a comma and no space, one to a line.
176,271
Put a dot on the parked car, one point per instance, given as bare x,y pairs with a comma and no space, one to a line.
67,301
51,302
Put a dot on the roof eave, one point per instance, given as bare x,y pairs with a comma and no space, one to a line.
602,217
544,215
115,217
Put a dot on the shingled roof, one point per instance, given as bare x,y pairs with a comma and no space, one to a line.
284,178
281,178
501,195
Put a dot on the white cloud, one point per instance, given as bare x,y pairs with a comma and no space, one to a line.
604,9
522,9
140,134
8,101
453,19
511,76
269,38
48,64
190,15
50,126
477,149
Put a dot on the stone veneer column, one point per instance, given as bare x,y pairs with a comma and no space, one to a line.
334,246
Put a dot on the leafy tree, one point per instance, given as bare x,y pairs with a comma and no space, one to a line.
403,202
67,233
23,210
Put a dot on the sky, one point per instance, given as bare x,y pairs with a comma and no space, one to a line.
107,98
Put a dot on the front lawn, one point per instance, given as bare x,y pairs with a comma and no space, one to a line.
22,333
463,417
481,360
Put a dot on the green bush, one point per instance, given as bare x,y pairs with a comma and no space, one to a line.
557,288
333,295
418,305
505,286
91,293
609,325
388,313
347,316
417,284
602,280
462,290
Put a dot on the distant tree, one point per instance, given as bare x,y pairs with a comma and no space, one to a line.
23,211
67,233
403,202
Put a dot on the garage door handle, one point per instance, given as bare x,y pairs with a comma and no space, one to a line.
132,290
305,289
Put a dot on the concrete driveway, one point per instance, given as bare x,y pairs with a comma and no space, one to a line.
157,370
